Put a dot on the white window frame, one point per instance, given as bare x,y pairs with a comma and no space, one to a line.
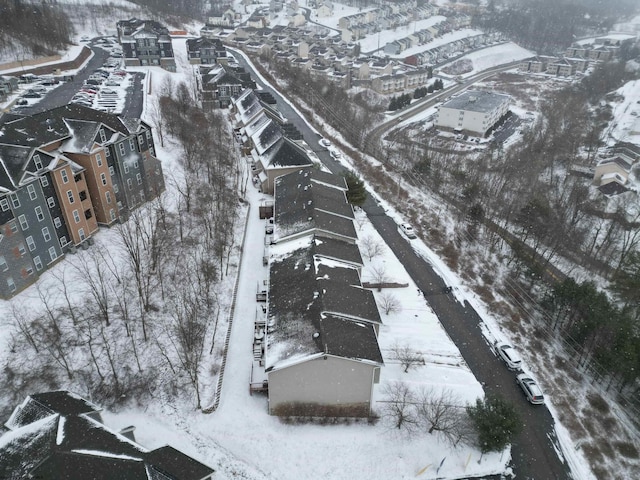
57,222
31,245
107,196
46,234
32,191
65,177
52,253
4,204
98,159
4,266
103,179
39,213
24,225
139,178
51,202
37,161
44,181
121,148
76,216
37,262
70,196
15,200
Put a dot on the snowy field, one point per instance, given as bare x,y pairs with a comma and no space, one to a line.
626,127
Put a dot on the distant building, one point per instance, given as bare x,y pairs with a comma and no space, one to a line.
146,42
473,112
206,51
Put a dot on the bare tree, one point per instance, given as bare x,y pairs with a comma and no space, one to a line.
407,356
389,303
379,275
399,408
441,411
371,247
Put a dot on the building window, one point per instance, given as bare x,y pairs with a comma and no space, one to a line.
126,167
82,235
148,134
107,153
103,136
3,264
31,244
88,213
63,174
77,178
70,196
44,181
142,196
63,241
51,202
22,250
76,216
4,204
99,159
52,253
132,144
15,200
11,284
83,195
139,179
37,162
129,183
45,234
121,148
140,140
112,171
112,214
28,271
135,163
103,178
152,151
32,192
116,188
23,222
14,227
37,262
39,213
107,195
57,222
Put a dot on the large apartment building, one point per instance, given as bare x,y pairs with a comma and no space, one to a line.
64,172
146,42
473,112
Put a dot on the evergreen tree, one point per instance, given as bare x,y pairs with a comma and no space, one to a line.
496,422
357,194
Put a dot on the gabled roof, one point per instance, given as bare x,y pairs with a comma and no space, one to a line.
621,161
331,248
308,315
51,125
285,153
57,435
13,162
266,137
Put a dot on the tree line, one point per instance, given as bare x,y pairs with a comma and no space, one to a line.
41,29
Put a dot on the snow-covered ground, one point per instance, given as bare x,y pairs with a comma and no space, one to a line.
626,126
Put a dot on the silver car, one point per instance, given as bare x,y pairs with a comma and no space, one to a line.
509,356
530,389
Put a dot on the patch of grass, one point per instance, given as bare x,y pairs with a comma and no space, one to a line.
627,450
598,403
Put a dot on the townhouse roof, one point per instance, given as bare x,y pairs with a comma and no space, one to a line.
285,153
266,137
620,160
331,248
57,435
13,162
303,204
307,320
476,101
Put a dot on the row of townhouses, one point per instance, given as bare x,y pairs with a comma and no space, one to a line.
59,435
577,58
315,346
63,173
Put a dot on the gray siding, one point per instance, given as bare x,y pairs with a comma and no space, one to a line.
16,268
332,387
47,248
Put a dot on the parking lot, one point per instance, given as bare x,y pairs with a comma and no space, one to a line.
103,84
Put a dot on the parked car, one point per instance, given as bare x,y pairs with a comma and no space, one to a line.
509,356
32,94
530,389
22,101
408,230
324,142
335,154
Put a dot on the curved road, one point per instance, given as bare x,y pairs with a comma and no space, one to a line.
534,450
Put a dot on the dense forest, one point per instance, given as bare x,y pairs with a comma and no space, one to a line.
29,29
549,26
